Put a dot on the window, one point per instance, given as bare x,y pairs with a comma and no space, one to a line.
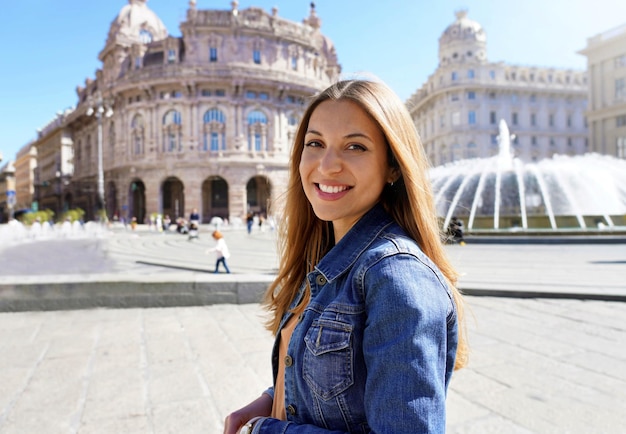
264,96
205,92
492,74
220,92
250,94
212,54
137,135
470,73
291,99
471,95
492,118
620,88
214,130
172,131
453,76
138,62
294,63
569,141
569,120
492,95
454,96
471,117
171,56
552,142
621,147
533,119
514,98
551,120
145,36
256,56
456,118
514,118
620,121
494,139
471,150
293,120
257,130
620,61
533,141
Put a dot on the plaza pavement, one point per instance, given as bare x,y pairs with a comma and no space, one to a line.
546,328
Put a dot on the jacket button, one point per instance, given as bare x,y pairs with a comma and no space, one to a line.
321,280
291,410
288,361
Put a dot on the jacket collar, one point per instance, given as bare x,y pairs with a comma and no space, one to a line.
343,255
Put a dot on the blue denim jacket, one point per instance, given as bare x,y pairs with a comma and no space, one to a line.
374,350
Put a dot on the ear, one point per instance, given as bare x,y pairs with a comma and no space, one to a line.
394,175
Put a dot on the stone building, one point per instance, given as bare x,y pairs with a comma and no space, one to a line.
203,121
25,170
606,111
458,110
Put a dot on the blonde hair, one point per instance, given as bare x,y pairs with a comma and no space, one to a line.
217,235
305,239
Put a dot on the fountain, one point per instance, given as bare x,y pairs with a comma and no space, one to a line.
502,193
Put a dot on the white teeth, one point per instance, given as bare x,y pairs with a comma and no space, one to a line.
332,188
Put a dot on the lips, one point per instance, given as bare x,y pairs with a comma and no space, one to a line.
332,189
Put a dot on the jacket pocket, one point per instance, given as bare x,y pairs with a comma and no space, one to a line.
328,359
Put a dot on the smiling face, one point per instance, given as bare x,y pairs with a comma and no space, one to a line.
344,164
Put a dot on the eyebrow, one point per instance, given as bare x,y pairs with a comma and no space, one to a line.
347,136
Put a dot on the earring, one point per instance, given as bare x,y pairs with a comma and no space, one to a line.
391,184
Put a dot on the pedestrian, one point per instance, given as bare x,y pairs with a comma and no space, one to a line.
249,221
456,231
367,318
221,248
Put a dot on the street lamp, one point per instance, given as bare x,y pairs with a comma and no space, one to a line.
100,107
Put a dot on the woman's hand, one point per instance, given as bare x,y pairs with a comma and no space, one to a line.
262,406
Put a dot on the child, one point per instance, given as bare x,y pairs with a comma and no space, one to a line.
222,251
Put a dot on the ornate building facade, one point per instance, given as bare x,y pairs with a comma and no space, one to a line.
606,112
202,121
458,109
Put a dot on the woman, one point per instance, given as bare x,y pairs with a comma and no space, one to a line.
365,311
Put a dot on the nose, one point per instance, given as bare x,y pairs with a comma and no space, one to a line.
330,162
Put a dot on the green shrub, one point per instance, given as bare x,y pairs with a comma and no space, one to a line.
43,216
72,215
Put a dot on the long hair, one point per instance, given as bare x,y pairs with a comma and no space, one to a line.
305,239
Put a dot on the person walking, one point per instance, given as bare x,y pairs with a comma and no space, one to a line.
367,319
221,249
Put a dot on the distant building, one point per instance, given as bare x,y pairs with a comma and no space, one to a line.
606,111
25,169
458,109
204,121
7,191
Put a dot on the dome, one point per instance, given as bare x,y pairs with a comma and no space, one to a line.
463,40
136,23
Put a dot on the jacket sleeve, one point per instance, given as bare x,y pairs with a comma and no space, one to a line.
405,345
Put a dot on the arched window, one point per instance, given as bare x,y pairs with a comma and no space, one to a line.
137,135
172,131
214,134
257,131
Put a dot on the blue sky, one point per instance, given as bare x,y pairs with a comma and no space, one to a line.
51,46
